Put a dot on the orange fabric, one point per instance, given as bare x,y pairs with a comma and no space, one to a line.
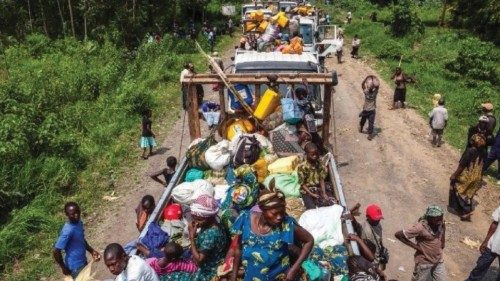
142,218
295,46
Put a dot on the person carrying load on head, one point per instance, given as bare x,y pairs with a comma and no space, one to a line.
370,90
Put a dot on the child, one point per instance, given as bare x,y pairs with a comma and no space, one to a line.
148,137
172,262
144,210
312,174
438,121
167,172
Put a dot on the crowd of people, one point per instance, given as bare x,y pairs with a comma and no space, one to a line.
263,242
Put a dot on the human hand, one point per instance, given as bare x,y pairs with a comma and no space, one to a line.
352,237
66,271
314,195
96,256
482,248
290,276
192,230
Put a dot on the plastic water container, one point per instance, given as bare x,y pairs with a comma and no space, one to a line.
267,105
238,126
245,94
284,165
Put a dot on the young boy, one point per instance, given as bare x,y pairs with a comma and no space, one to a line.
438,121
167,172
172,262
312,174
144,210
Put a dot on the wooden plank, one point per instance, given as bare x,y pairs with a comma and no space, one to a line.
252,78
257,95
326,113
193,118
223,113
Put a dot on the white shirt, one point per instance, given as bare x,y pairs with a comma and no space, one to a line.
494,242
439,117
137,270
184,73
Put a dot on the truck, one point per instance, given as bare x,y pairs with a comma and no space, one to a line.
253,68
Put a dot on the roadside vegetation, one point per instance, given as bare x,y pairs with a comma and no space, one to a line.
452,62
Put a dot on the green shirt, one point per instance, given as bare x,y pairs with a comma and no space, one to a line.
310,175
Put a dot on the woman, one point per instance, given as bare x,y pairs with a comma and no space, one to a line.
400,80
262,237
209,242
466,180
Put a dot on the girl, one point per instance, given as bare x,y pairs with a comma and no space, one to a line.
148,137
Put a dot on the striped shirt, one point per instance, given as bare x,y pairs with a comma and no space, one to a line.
181,265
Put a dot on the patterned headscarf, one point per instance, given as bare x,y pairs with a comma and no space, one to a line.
271,199
478,140
434,211
204,206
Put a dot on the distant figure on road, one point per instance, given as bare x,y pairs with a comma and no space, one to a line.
230,26
429,234
438,121
188,70
72,241
400,79
167,172
490,250
127,268
211,39
370,89
147,136
467,179
356,42
349,17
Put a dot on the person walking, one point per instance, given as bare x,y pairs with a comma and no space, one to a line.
400,79
349,17
490,250
72,241
211,39
429,234
438,121
340,45
467,179
481,128
356,42
370,89
230,26
494,155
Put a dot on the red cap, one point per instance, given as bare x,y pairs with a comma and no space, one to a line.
374,212
172,212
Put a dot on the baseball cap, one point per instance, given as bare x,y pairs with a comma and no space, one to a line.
374,212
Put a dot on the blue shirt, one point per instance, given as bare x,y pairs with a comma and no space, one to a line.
72,241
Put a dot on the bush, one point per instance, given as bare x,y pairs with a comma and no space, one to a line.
476,60
405,21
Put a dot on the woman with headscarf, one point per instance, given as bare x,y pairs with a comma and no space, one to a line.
209,241
466,180
261,239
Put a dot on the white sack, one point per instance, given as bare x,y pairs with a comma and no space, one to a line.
324,224
218,156
186,192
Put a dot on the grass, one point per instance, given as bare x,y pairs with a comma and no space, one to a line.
111,148
425,57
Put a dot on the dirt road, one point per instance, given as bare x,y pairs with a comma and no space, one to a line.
399,170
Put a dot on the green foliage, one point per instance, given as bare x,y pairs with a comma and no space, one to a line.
405,20
481,16
477,60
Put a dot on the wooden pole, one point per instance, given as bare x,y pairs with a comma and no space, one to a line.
327,113
257,94
223,113
193,118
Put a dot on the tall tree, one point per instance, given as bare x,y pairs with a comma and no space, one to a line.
63,24
44,20
71,18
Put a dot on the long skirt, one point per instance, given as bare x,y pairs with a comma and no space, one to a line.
458,204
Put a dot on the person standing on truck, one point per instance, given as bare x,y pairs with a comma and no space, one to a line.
370,90
268,224
429,233
127,268
72,241
438,119
147,137
490,250
312,175
167,172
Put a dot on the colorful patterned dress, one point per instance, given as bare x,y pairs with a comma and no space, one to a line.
214,243
264,257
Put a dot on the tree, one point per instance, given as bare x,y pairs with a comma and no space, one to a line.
405,20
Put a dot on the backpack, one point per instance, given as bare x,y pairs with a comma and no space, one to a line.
247,151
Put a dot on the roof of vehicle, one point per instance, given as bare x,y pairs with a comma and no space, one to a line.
273,61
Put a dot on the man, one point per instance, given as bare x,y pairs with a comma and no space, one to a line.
371,230
349,17
72,241
356,42
429,233
361,269
188,70
494,155
127,268
438,121
490,250
370,89
230,27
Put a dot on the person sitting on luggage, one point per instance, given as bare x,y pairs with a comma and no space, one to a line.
172,262
312,174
